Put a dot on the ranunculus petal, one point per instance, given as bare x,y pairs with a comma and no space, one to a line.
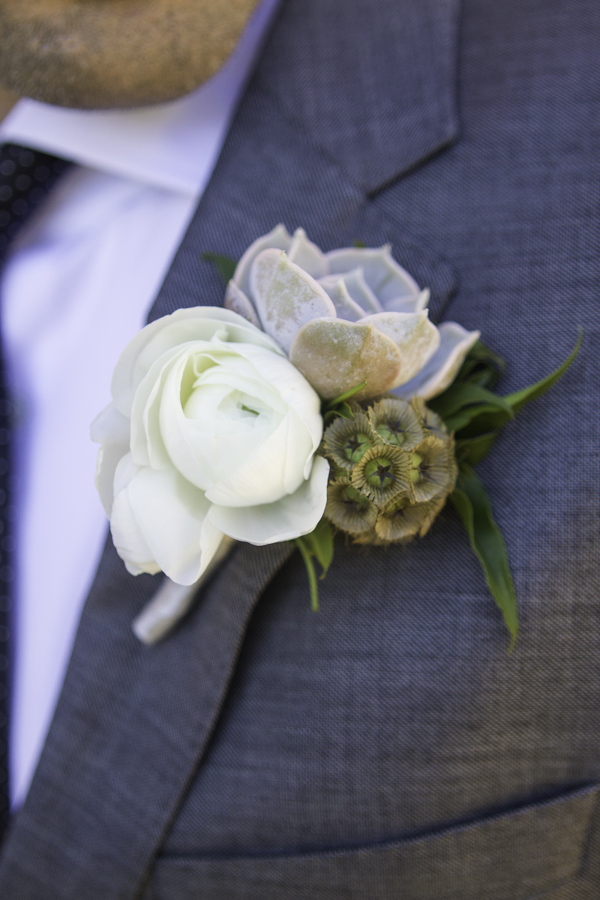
278,238
147,445
237,302
172,516
192,445
416,337
285,296
111,429
290,517
382,273
442,368
129,541
307,255
109,457
275,467
335,356
110,425
292,388
197,323
213,436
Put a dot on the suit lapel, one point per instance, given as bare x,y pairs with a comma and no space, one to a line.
327,120
133,722
373,83
131,726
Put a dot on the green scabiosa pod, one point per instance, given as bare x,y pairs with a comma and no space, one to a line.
393,468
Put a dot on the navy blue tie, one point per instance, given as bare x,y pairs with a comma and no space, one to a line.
26,178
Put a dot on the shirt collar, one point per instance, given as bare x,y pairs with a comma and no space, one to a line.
171,145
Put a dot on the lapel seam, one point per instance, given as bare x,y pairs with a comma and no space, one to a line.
217,709
391,122
306,134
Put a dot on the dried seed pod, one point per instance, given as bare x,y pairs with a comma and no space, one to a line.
430,420
348,509
347,440
383,473
403,521
434,468
393,467
396,423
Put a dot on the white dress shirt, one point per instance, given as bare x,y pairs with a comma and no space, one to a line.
77,286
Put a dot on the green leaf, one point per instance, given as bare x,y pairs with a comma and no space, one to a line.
520,398
481,366
472,450
346,395
321,544
472,504
481,353
483,377
463,403
225,264
482,423
360,245
460,396
316,545
476,420
307,556
344,411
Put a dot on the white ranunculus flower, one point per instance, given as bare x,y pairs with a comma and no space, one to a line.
348,316
211,432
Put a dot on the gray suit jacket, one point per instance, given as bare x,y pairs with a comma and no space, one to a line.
388,746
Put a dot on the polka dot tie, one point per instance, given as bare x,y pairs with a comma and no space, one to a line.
26,178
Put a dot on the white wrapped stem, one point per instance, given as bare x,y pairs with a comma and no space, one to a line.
173,601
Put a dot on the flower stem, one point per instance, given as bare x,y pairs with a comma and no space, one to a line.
310,571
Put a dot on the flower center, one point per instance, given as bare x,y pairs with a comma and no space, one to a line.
392,432
379,472
356,446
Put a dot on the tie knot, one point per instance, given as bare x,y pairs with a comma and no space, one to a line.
26,178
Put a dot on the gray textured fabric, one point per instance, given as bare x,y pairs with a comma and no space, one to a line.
388,746
131,726
498,856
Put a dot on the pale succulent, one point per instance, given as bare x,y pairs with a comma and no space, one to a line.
392,469
347,316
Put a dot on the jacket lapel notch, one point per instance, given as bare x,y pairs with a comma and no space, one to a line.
379,112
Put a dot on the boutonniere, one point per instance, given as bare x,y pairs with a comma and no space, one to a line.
320,399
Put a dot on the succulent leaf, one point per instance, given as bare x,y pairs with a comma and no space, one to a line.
416,337
382,273
286,296
442,368
277,238
360,291
345,307
237,302
334,356
307,255
409,304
